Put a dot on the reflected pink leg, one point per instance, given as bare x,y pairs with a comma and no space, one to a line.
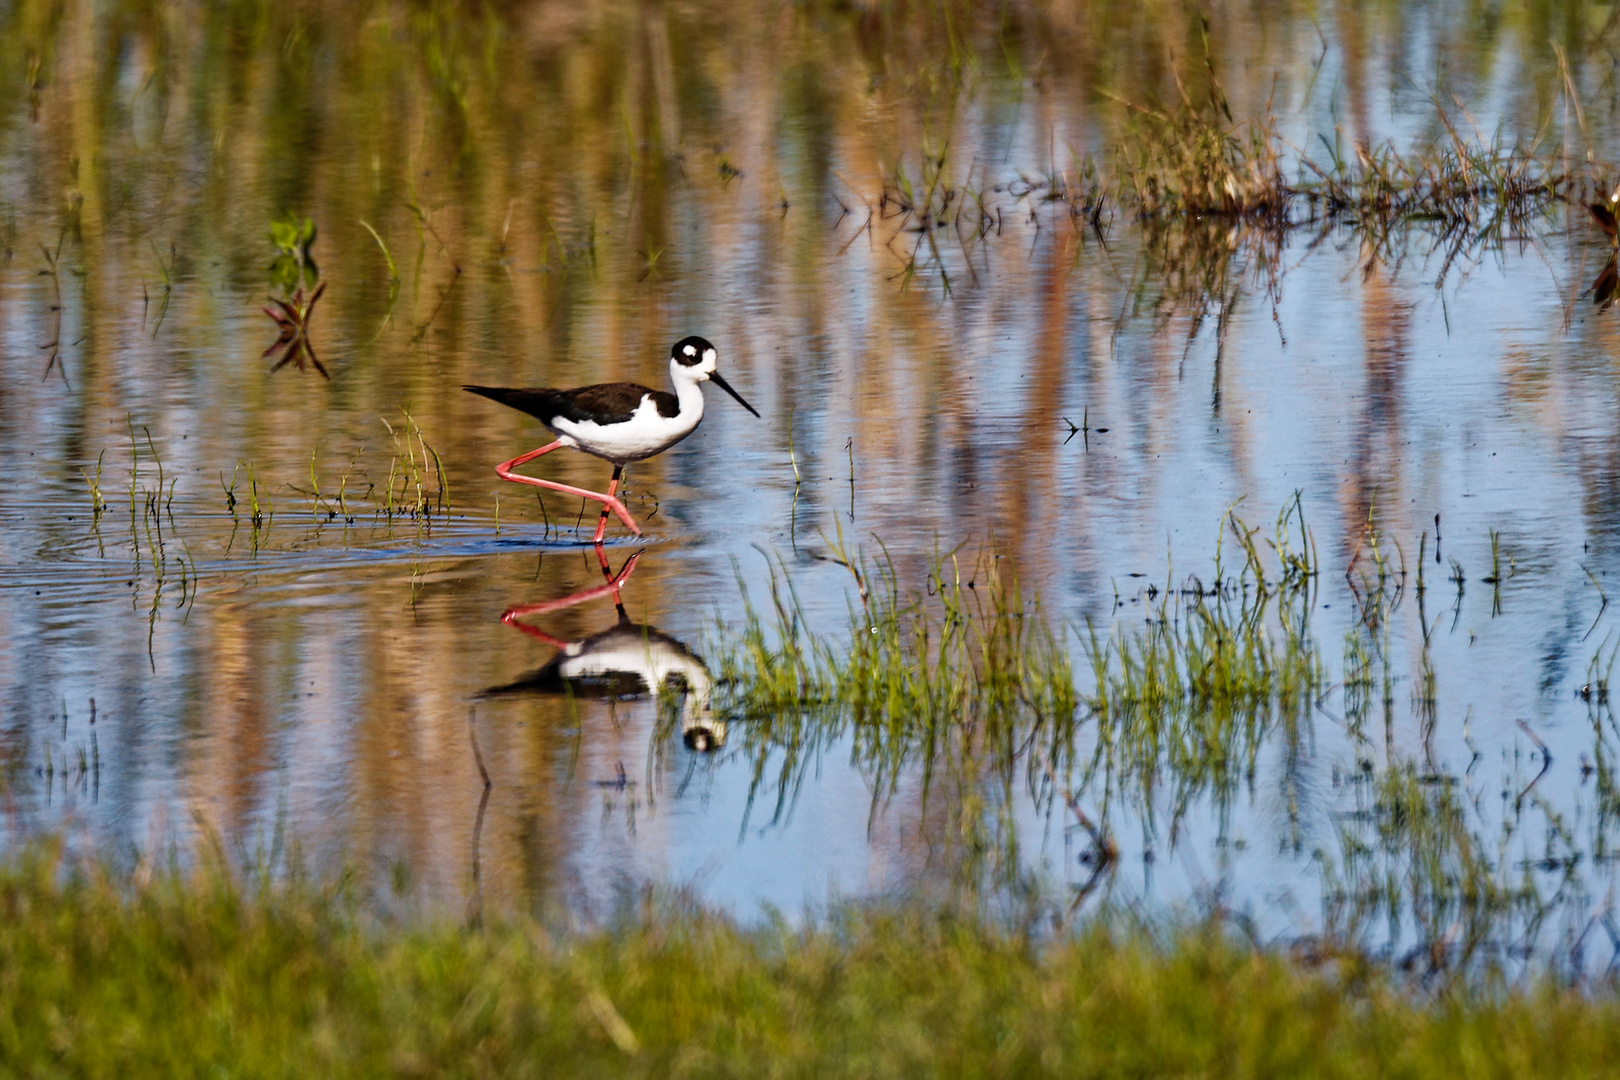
608,501
615,582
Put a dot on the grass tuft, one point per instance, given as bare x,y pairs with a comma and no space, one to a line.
966,681
1193,691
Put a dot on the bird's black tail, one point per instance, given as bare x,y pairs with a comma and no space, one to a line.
540,404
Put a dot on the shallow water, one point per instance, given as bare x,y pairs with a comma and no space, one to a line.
588,187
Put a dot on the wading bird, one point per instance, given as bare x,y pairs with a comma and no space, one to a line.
618,422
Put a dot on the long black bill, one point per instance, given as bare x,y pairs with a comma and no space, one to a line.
714,377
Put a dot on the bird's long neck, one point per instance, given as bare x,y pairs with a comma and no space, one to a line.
688,393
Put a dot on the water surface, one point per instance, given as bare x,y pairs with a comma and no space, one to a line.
563,191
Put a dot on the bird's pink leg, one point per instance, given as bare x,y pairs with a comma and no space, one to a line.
613,490
608,501
614,583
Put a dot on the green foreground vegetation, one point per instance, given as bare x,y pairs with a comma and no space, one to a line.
181,974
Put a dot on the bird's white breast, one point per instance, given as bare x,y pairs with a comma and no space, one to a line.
646,433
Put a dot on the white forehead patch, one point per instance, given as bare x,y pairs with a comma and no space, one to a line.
690,350
709,356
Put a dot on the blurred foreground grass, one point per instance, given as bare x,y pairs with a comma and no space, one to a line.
196,973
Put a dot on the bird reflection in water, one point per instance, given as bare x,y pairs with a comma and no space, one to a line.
627,660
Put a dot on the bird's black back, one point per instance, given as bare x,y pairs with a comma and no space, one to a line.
603,403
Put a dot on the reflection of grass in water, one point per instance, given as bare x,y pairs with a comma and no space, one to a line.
1408,853
1415,852
1604,764
163,973
1190,696
966,683
965,691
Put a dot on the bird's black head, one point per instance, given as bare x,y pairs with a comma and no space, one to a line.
692,351
694,359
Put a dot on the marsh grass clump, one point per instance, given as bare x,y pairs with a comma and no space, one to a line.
1188,162
416,480
969,650
965,681
1189,696
1490,190
1197,160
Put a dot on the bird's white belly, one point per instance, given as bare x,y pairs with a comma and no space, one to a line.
646,433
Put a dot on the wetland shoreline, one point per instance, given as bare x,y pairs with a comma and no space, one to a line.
176,974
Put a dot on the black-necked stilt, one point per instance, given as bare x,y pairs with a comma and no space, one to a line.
619,422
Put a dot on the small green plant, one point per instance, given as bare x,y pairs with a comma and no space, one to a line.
98,504
293,267
411,475
293,270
